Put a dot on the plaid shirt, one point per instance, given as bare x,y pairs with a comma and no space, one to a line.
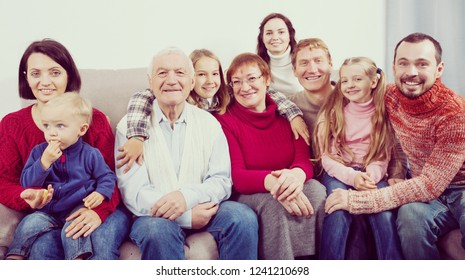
139,111
140,108
286,107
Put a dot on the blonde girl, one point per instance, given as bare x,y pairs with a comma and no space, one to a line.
210,93
355,139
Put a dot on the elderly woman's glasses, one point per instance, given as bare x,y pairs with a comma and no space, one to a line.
238,83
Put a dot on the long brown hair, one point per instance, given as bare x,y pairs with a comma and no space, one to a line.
222,95
261,48
331,124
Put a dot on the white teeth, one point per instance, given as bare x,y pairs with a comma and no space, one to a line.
312,78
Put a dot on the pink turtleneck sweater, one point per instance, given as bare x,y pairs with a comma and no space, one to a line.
431,131
358,126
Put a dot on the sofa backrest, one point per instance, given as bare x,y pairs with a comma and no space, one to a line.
110,90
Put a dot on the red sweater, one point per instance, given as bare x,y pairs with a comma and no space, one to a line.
260,143
431,132
19,134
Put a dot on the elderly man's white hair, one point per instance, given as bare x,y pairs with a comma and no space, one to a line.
171,50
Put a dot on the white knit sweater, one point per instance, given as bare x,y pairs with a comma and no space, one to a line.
282,74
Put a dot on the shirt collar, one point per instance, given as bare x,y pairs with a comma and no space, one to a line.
160,117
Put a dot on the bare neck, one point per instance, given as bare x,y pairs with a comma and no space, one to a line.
319,97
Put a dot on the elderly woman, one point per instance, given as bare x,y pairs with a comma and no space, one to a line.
271,170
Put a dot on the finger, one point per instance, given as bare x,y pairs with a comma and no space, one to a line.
278,187
140,159
329,203
292,191
288,208
214,209
75,214
158,210
296,134
308,206
128,166
82,231
123,161
120,156
296,209
302,206
91,229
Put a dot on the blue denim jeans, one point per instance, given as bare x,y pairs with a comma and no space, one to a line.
337,224
49,241
234,228
420,224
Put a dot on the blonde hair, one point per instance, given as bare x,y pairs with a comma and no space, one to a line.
222,95
332,128
77,105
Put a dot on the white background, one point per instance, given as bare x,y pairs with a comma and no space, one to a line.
124,34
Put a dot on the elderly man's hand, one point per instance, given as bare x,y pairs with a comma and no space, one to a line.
171,206
203,213
337,200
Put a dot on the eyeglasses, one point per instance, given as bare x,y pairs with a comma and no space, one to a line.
238,83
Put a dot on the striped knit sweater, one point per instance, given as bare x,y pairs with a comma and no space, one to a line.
431,130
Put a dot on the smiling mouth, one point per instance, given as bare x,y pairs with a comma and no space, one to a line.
312,78
46,91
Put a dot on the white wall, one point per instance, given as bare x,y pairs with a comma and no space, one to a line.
125,34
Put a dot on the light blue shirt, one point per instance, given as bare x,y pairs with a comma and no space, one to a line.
216,186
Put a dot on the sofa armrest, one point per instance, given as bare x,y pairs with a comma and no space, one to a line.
9,220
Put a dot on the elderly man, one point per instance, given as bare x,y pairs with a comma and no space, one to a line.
185,176
428,119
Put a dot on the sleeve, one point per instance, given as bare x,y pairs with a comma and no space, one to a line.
104,176
139,111
286,107
245,181
442,165
377,170
302,158
334,168
217,184
100,136
11,165
139,195
33,174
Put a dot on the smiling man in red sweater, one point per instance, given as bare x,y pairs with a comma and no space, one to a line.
429,120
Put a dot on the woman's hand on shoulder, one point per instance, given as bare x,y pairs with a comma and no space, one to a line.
130,152
84,222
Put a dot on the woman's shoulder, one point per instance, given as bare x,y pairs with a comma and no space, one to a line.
100,123
17,120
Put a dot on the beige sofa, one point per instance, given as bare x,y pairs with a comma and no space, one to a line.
109,91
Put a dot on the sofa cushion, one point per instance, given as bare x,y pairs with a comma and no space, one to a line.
199,246
450,246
